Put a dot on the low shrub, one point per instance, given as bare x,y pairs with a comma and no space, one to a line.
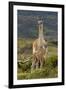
25,65
51,61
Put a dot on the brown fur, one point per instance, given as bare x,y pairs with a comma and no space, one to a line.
39,53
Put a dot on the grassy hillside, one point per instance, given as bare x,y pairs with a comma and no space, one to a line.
24,53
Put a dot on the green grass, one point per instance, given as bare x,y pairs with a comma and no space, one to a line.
39,73
24,54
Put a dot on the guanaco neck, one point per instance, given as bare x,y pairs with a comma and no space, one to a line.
41,37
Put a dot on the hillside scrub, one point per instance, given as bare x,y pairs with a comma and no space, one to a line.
50,67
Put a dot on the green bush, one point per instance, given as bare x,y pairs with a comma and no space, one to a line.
52,61
53,73
25,65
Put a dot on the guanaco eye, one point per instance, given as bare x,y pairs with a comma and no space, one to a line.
45,46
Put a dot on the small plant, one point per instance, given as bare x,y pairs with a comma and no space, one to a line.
52,61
